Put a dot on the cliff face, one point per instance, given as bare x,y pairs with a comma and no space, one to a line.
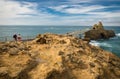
98,32
52,56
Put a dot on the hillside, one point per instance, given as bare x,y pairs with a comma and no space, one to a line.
52,56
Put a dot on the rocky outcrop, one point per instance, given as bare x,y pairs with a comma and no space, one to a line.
98,32
98,26
52,56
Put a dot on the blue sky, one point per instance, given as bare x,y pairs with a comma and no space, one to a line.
60,12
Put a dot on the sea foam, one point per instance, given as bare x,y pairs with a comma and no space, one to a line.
118,34
99,44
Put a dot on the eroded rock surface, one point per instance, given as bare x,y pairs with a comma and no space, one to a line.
52,56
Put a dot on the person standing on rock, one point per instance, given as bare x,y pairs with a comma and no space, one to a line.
19,37
15,37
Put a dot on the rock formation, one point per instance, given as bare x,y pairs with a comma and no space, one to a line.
98,26
98,32
52,56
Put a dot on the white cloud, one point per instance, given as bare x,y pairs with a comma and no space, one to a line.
12,9
83,9
93,13
16,13
77,9
113,14
25,13
79,1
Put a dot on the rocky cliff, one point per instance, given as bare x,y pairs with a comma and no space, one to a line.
98,32
52,56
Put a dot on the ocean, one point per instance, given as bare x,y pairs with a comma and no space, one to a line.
29,32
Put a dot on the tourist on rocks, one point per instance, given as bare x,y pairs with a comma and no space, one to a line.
19,37
15,37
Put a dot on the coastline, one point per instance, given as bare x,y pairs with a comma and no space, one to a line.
52,56
104,44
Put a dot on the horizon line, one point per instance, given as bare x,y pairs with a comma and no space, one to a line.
59,25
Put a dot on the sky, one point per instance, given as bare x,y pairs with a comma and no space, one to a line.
60,12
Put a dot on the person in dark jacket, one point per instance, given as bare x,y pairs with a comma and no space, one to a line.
15,37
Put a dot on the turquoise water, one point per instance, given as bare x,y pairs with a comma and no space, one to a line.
34,30
112,44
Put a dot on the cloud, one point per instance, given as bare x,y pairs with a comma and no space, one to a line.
12,9
31,13
89,14
22,13
79,1
82,9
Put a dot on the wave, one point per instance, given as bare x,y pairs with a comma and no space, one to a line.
116,37
94,43
99,44
118,34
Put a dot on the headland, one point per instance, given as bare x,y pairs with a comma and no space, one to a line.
53,56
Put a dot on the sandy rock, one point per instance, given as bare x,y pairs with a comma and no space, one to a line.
98,26
57,57
13,51
41,41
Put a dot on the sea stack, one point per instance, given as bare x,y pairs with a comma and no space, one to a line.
98,32
98,26
53,56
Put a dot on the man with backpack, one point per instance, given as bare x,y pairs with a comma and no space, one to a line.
15,37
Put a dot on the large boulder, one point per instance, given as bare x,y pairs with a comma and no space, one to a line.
98,32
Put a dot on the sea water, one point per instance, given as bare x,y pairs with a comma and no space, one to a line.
112,44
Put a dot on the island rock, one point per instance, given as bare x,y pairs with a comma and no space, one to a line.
98,32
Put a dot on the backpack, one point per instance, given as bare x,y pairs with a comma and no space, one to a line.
14,36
